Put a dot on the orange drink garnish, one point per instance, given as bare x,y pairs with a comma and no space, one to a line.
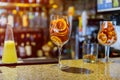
61,24
60,27
59,31
107,34
102,37
56,40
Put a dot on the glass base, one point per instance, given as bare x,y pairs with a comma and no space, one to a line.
60,66
63,67
107,61
89,61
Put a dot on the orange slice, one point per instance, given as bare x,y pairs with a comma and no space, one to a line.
103,25
59,33
110,24
56,40
61,24
64,32
102,38
53,23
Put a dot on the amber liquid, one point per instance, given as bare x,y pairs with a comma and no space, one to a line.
107,35
59,34
89,58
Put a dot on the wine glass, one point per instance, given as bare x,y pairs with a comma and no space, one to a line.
107,36
59,34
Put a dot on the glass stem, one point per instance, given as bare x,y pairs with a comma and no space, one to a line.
59,56
107,52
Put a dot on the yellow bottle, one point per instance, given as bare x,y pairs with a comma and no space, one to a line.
9,52
115,3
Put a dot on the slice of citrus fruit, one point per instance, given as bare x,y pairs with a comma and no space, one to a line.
102,38
61,24
56,40
53,22
64,32
54,31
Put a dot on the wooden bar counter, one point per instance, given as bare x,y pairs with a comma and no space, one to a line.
77,71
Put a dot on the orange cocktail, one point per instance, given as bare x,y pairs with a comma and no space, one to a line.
107,34
59,33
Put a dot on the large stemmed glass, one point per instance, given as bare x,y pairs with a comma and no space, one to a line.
107,36
59,34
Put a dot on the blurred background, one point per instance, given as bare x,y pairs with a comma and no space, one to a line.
30,21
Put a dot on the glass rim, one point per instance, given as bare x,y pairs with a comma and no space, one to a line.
91,44
112,21
59,16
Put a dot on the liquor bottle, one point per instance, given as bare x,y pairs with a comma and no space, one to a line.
28,49
115,3
80,25
27,37
37,18
21,49
39,53
46,50
33,45
10,18
25,19
3,19
31,18
28,46
17,22
22,37
43,19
